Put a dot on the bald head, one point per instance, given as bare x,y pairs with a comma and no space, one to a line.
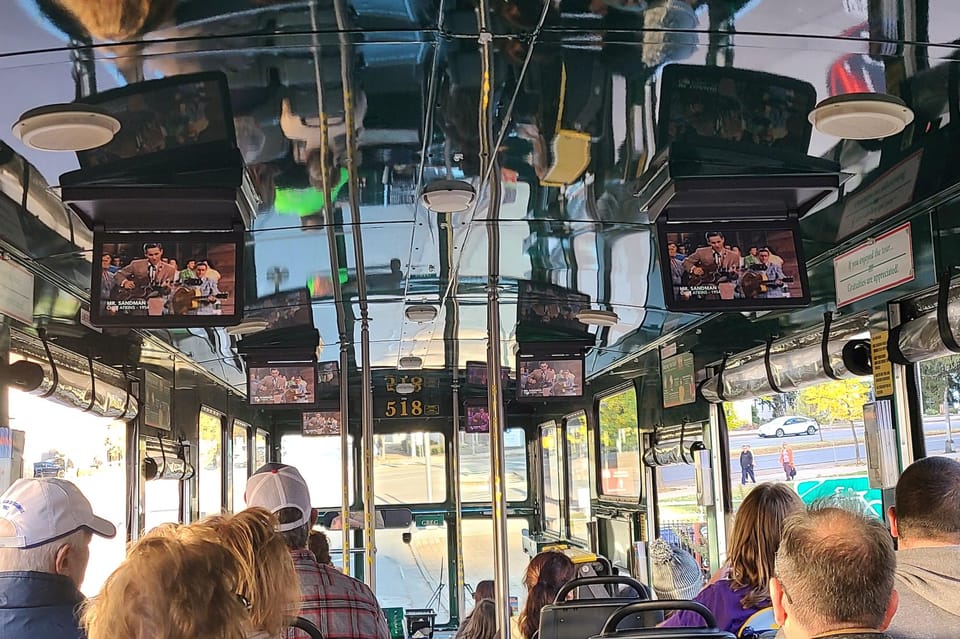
835,570
927,510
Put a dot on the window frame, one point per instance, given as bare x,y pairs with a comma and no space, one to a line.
561,531
568,483
598,465
224,475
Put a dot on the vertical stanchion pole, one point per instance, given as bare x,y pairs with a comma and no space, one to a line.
495,391
345,451
366,405
457,499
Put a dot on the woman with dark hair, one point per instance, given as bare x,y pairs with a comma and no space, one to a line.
546,574
741,589
481,623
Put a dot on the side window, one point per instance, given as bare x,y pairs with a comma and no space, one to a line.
211,462
240,463
578,480
552,485
620,445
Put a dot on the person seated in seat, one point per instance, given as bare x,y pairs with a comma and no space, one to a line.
484,590
267,580
834,576
257,573
320,547
742,588
926,522
45,530
546,574
481,623
171,585
340,606
675,573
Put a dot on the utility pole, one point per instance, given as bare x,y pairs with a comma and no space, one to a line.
948,444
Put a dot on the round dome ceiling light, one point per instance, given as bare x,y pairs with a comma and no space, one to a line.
66,127
598,317
448,196
411,362
421,313
405,388
248,328
861,116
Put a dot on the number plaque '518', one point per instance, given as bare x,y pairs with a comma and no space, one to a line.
424,400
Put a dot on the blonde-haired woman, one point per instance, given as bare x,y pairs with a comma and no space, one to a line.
225,577
742,589
170,586
267,581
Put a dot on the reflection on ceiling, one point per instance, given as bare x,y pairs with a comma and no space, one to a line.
552,120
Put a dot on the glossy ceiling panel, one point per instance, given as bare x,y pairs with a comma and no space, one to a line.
429,100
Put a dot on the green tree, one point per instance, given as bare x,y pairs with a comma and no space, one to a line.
618,421
841,400
733,420
780,404
936,376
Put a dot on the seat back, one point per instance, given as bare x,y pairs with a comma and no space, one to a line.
308,627
760,622
612,629
580,618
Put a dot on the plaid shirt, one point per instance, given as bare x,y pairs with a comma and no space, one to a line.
341,606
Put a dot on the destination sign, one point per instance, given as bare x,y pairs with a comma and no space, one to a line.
425,399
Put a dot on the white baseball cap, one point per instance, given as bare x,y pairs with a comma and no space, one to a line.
278,486
39,511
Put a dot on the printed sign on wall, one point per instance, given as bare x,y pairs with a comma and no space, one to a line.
876,265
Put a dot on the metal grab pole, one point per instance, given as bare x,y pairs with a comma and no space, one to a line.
366,405
345,476
427,461
498,491
457,498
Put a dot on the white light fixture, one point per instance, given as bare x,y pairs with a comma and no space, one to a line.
861,116
598,317
405,388
421,313
248,328
411,362
66,127
448,196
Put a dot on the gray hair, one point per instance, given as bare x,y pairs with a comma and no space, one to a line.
836,567
41,558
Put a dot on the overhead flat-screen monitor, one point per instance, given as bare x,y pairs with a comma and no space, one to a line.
317,423
147,279
164,119
546,376
282,383
328,380
737,105
476,417
477,374
733,266
281,310
547,309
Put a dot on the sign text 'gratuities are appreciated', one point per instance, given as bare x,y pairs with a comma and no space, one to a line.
877,265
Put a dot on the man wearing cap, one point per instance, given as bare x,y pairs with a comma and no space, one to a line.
45,531
342,607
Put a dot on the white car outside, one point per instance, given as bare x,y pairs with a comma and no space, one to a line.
789,425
